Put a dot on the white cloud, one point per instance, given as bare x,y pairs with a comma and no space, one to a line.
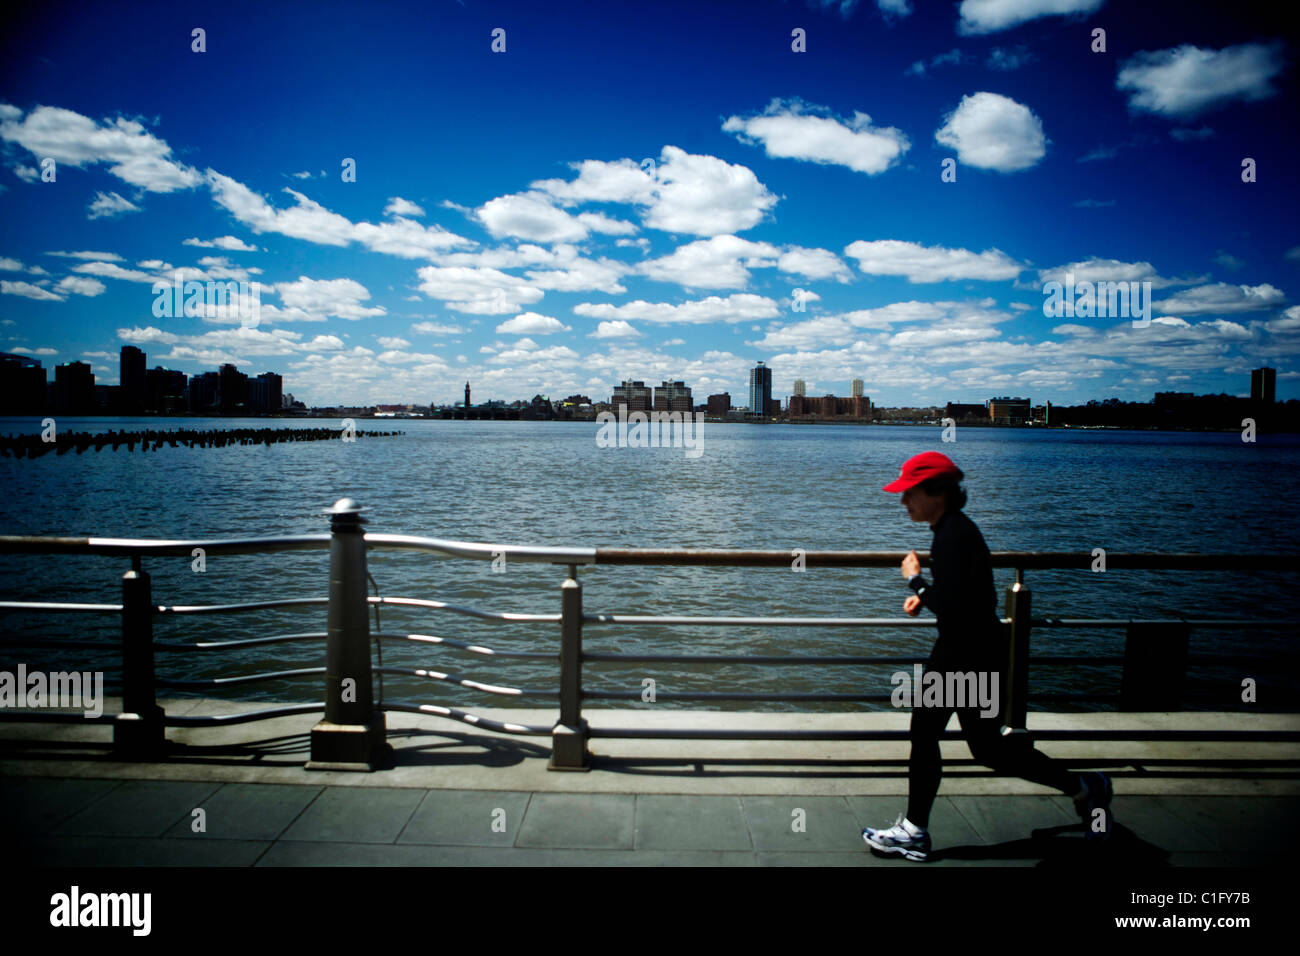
795,130
742,307
1186,80
813,264
10,265
480,291
1222,297
893,257
110,270
1094,269
391,342
530,323
105,256
109,205
311,221
990,131
229,243
530,216
990,16
28,174
80,285
325,297
952,57
437,328
722,262
397,206
28,291
617,329
135,156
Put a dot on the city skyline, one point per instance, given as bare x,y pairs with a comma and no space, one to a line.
881,191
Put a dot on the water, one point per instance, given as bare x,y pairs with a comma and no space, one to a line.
547,483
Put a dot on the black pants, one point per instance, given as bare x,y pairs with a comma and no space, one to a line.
1012,755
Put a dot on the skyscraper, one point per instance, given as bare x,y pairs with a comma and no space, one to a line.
760,389
1263,384
131,375
855,388
800,387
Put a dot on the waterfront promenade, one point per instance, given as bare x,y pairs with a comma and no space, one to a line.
457,795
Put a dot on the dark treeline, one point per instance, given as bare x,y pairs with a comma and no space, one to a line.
33,446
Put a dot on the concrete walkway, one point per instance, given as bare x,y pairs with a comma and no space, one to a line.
460,796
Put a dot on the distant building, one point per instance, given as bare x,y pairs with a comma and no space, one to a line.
234,390
800,387
957,411
830,406
673,397
1263,384
855,388
203,393
74,389
719,405
266,394
635,395
760,388
467,394
1008,411
22,385
164,391
133,393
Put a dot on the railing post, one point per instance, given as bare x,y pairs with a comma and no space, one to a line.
1155,667
351,736
569,735
1018,608
139,731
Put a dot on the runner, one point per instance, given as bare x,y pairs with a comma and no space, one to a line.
964,600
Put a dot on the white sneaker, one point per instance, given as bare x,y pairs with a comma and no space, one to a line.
898,839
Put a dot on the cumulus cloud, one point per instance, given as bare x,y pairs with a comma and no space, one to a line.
311,299
722,262
80,285
990,16
1222,297
990,131
1187,80
134,155
436,328
795,130
28,291
229,243
742,307
531,323
617,329
397,206
893,257
109,205
1095,269
481,291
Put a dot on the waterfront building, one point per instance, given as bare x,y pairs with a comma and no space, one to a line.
635,395
74,389
673,397
760,388
1008,411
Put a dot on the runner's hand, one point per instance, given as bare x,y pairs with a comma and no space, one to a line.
911,565
912,605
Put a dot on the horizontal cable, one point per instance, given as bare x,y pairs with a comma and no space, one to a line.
471,612
465,682
471,648
483,552
59,606
759,621
455,714
252,678
1191,622
249,642
1037,560
632,733
225,608
245,717
741,659
711,695
131,547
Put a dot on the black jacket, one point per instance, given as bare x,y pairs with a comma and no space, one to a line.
962,596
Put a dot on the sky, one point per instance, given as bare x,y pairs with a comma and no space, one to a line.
551,198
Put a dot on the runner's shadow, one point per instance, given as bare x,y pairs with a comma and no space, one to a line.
1066,846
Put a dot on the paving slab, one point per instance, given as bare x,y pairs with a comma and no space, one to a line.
562,820
34,805
86,851
467,818
139,808
690,822
355,815
247,811
801,824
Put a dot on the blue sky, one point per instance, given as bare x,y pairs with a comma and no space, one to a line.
638,190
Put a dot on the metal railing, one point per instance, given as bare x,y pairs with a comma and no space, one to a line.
351,734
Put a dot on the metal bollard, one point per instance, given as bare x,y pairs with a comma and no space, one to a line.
569,735
352,734
139,732
1018,608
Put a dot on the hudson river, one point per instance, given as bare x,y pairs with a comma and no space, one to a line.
548,483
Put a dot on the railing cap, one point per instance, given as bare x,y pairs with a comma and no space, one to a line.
344,506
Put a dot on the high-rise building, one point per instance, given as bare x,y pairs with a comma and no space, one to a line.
203,393
1263,384
635,395
265,394
719,405
74,389
234,390
760,389
800,387
131,376
673,397
855,388
22,385
164,391
467,394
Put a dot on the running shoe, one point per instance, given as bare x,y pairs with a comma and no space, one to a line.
897,839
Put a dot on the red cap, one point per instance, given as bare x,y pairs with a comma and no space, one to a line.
922,467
